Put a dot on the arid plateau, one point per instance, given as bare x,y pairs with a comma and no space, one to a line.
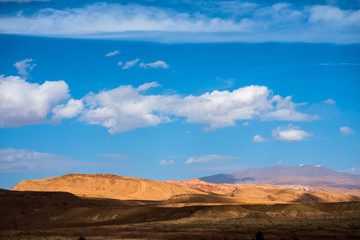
103,206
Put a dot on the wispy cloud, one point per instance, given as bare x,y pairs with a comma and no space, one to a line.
19,160
24,67
157,64
130,64
247,22
208,158
290,133
330,101
115,156
113,53
339,64
259,138
167,163
346,131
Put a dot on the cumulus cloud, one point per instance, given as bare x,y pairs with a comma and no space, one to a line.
24,67
113,53
23,103
69,110
290,133
157,64
330,101
208,158
285,110
167,163
346,131
246,22
130,64
259,138
19,160
126,108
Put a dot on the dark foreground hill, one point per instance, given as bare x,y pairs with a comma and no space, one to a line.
297,175
61,215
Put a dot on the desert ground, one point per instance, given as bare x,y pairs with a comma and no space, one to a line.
114,207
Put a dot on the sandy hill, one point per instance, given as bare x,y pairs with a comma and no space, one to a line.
107,186
186,192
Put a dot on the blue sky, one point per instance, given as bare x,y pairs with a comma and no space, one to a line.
177,90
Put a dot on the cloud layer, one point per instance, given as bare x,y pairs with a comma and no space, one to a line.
212,22
126,107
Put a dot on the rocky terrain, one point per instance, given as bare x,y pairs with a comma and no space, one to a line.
101,206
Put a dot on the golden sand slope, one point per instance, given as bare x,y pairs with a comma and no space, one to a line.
177,192
107,186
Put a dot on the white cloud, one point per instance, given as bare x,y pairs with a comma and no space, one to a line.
290,133
246,124
330,101
247,22
24,67
259,138
147,86
113,53
69,110
125,108
115,156
130,64
278,162
285,111
208,158
157,64
346,131
167,163
23,103
119,63
15,160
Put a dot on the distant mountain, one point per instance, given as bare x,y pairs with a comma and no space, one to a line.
296,175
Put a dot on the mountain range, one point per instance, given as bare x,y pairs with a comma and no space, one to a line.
306,175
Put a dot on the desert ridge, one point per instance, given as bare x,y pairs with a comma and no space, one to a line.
190,191
107,186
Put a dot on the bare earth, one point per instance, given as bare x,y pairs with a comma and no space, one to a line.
114,207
